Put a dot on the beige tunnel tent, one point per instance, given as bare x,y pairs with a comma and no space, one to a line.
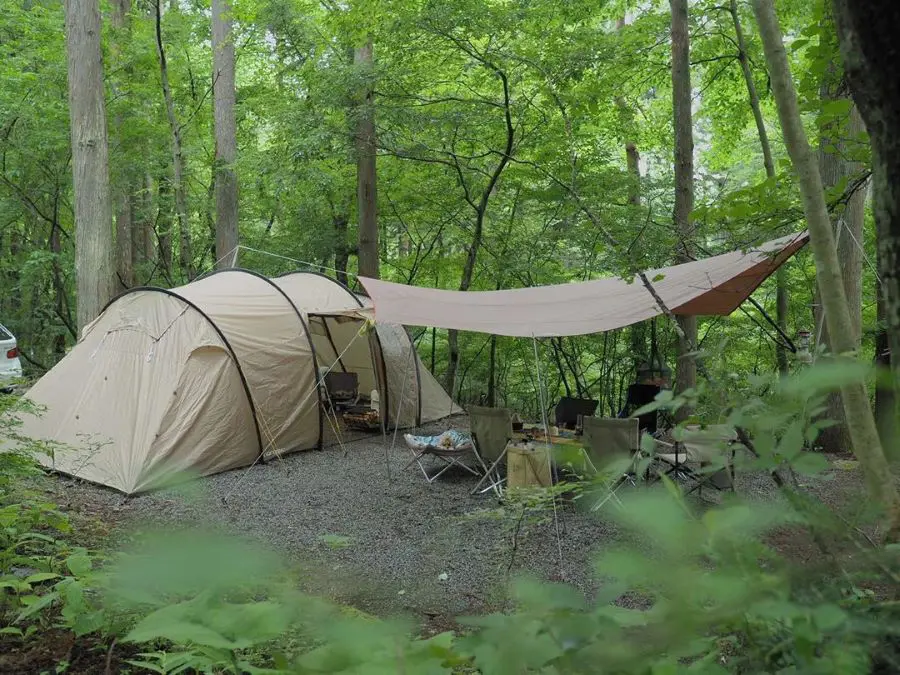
218,373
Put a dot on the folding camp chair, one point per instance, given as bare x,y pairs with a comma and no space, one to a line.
607,442
491,433
450,447
699,449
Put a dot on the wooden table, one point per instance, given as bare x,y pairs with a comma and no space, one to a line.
540,438
531,467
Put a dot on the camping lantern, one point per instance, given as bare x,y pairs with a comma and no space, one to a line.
654,370
803,355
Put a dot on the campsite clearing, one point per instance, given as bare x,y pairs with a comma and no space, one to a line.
398,545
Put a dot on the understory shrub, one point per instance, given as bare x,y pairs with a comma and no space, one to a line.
716,597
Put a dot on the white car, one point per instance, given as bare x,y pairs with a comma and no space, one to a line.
10,366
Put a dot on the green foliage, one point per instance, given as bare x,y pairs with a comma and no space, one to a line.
690,591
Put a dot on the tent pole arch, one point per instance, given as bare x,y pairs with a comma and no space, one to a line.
359,303
237,363
315,360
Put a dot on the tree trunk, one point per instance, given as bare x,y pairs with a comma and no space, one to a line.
123,192
185,253
226,134
341,250
164,228
143,240
90,160
686,367
59,291
835,169
480,209
885,399
492,374
867,32
124,230
860,421
781,296
366,193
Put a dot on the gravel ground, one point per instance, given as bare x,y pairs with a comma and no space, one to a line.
389,541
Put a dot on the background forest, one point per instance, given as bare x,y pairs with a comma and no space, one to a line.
472,146
517,143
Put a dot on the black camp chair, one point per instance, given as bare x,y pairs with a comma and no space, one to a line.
569,409
636,397
341,389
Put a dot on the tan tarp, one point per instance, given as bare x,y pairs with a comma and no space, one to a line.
165,385
712,286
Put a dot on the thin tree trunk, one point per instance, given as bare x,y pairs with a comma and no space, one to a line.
492,374
781,294
637,331
686,367
124,208
835,168
90,160
480,209
885,398
226,133
366,191
341,250
59,290
185,253
124,228
145,241
860,421
164,227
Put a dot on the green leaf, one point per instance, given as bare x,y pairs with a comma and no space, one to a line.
156,627
837,107
825,377
79,564
829,617
34,604
809,463
40,577
791,443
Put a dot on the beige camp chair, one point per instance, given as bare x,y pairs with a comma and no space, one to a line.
491,434
610,440
700,447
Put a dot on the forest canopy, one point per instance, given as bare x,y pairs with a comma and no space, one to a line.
516,143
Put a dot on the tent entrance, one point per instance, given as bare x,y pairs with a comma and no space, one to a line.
347,377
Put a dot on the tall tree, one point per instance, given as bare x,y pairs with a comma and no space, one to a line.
90,160
179,166
838,135
226,133
124,207
637,331
860,421
867,33
686,367
781,295
366,192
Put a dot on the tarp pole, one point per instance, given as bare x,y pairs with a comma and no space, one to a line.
388,452
543,400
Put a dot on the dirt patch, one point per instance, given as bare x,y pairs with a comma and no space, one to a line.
60,651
